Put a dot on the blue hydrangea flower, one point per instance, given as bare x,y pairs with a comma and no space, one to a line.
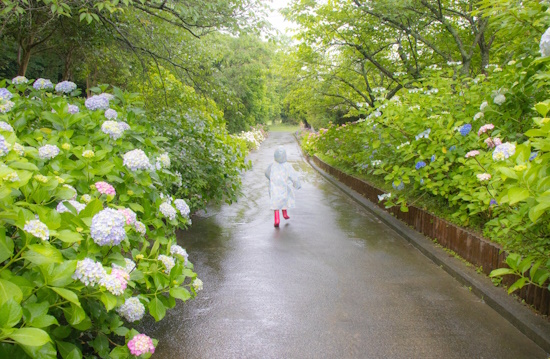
433,158
6,105
108,227
493,202
132,309
452,148
182,206
89,272
4,126
4,146
42,84
65,87
420,164
111,114
504,151
464,130
399,187
18,80
168,211
73,109
5,94
97,102
533,156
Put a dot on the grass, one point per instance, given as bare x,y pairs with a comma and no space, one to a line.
282,127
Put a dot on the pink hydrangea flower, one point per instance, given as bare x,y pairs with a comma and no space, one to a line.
141,344
472,153
497,141
483,177
489,142
105,188
129,215
485,128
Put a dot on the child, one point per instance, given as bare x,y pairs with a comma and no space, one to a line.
279,174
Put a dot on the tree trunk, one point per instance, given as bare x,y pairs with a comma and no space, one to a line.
23,60
68,63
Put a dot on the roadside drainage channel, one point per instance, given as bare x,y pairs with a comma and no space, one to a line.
533,326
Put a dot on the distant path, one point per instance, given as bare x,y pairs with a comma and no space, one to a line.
332,282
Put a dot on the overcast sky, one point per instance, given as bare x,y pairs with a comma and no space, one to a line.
277,19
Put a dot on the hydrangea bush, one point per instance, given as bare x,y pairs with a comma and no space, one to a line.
475,150
85,251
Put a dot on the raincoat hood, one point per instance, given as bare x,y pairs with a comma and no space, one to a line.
280,155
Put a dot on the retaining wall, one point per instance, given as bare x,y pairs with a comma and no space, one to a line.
470,246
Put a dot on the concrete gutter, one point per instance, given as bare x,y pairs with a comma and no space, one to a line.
534,326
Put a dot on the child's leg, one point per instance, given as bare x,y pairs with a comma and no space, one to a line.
277,220
285,215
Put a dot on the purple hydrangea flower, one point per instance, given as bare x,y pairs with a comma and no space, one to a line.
4,146
108,227
132,310
65,87
77,205
182,207
420,164
433,158
89,272
18,80
42,84
176,250
533,156
97,102
48,152
493,202
73,109
111,114
5,94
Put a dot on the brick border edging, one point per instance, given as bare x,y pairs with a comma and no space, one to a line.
533,326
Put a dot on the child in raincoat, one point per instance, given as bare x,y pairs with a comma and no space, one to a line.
281,174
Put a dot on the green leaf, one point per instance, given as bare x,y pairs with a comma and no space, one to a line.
120,352
69,236
8,290
91,209
109,300
46,351
30,336
6,245
74,314
500,272
43,254
44,321
180,293
157,309
10,314
517,285
60,275
67,294
68,350
517,194
508,172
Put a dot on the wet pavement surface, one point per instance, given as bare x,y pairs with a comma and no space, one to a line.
331,282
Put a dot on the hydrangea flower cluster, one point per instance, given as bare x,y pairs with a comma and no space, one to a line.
132,310
37,229
113,129
493,202
141,344
114,283
176,250
398,187
197,284
88,154
73,109
41,178
483,106
485,128
89,272
182,206
472,154
18,80
4,126
375,163
12,177
420,164
97,102
42,84
163,161
136,160
130,265
499,99
140,227
533,156
123,126
77,205
48,152
105,188
545,44
424,134
168,211
108,227
4,146
111,114
20,150
504,151
433,158
478,115
483,177
384,196
86,198
65,87
168,262
5,94
129,215
6,106
465,129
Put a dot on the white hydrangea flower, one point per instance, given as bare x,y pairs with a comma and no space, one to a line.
48,151
113,129
18,80
140,227
176,250
168,211
20,150
483,106
168,262
108,227
65,87
499,99
197,284
37,229
478,115
77,205
136,160
182,206
545,44
89,272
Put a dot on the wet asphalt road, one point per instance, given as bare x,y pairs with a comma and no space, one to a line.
331,282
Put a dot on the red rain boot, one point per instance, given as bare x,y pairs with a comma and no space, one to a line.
277,220
285,215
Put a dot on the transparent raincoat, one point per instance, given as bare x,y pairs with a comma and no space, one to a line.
282,179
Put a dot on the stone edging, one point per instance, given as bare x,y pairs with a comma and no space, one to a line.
469,246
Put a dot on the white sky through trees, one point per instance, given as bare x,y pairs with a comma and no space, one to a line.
276,19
